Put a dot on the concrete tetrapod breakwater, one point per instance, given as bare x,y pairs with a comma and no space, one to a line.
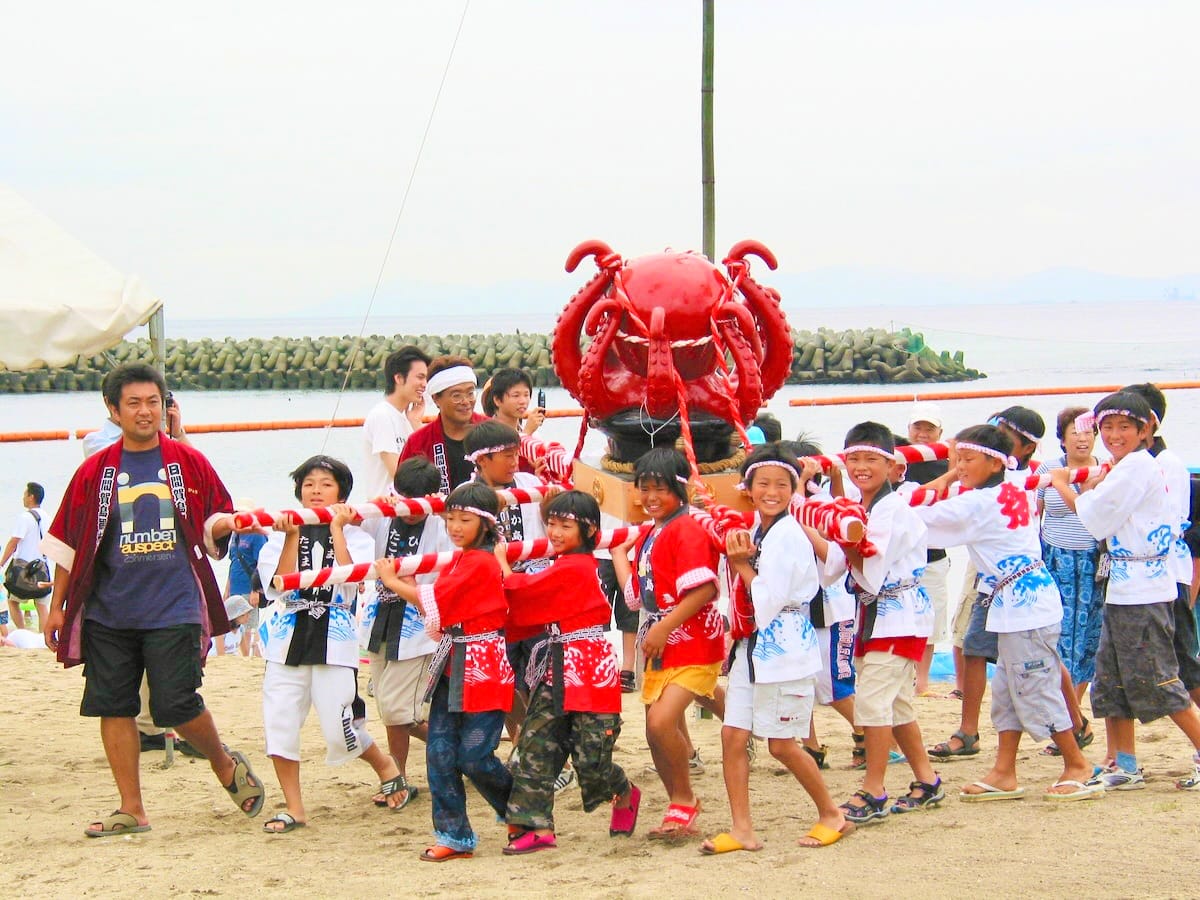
868,356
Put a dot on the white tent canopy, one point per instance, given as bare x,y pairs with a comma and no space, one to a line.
57,298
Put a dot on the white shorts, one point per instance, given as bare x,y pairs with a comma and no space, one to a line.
1027,685
934,582
399,688
781,709
288,694
885,690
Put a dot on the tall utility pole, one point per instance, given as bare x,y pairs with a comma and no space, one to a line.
708,177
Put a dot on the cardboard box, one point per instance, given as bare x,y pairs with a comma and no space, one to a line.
618,497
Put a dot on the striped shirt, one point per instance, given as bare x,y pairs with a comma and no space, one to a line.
1060,526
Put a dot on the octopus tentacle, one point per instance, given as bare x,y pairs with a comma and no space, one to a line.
662,400
565,340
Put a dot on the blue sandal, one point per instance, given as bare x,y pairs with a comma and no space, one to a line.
931,795
873,808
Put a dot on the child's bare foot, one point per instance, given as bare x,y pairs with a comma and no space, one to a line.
727,841
1001,781
823,833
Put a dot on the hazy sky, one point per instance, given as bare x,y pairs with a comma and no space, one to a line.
249,158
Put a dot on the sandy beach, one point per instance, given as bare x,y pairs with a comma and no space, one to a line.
54,780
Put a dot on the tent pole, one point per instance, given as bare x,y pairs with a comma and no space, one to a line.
158,339
708,178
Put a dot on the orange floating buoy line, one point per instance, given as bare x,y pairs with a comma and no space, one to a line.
981,394
13,437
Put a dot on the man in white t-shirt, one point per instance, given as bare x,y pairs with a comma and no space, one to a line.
394,418
27,534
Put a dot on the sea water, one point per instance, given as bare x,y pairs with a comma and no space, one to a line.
1018,347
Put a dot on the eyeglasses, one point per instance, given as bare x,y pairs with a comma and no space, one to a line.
461,396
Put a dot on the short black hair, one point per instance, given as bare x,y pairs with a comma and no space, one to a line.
491,433
1127,402
1026,420
1155,399
36,491
130,373
665,464
772,453
770,426
501,382
416,477
478,495
805,444
986,436
399,362
335,467
579,506
872,434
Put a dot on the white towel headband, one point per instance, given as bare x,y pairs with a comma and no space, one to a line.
448,378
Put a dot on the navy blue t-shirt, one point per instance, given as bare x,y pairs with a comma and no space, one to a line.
143,579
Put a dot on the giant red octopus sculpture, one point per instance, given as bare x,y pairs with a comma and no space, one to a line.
673,338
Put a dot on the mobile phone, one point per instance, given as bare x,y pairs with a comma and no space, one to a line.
170,399
541,400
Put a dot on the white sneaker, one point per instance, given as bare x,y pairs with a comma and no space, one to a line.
695,764
1120,780
1191,782
565,779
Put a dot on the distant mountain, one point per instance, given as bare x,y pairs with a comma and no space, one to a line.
837,286
528,302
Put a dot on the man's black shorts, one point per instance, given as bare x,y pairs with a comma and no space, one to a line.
626,618
114,660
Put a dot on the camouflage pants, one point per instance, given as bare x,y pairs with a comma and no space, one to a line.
546,742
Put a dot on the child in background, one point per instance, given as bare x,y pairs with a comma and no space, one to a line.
309,639
398,647
494,448
895,619
775,657
471,682
996,522
575,694
673,577
237,611
1137,672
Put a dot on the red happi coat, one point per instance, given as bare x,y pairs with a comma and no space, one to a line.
682,558
429,441
582,674
74,537
468,598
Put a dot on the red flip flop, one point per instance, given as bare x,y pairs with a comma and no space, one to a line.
438,853
677,823
624,820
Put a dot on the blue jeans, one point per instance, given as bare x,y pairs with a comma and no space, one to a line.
461,744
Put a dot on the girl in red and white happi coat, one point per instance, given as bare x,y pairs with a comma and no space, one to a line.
674,578
574,691
471,681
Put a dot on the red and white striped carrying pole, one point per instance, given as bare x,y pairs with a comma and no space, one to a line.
435,562
930,496
912,453
383,508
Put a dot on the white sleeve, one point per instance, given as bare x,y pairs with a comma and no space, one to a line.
1104,509
787,574
890,527
951,522
360,544
381,435
834,568
268,562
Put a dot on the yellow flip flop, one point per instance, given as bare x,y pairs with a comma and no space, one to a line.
824,835
725,843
